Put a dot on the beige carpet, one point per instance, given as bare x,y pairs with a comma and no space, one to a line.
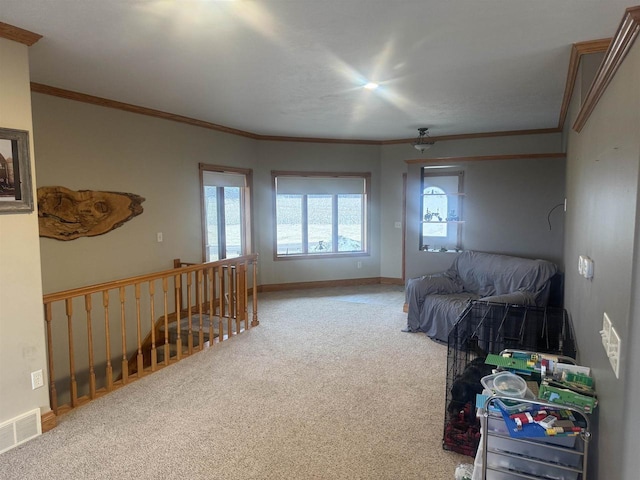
327,387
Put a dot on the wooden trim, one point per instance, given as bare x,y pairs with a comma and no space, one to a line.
104,102
350,282
577,50
247,231
515,156
391,281
348,141
288,173
77,292
366,176
466,136
48,421
127,107
622,41
404,225
19,35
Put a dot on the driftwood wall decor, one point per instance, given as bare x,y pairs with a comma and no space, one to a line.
66,214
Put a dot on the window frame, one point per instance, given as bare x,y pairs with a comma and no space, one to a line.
366,214
426,172
246,208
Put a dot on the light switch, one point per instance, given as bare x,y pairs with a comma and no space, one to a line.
585,266
614,351
159,237
605,333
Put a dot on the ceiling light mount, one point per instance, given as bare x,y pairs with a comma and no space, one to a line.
424,141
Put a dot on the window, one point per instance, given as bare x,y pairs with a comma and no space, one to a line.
441,210
320,214
225,211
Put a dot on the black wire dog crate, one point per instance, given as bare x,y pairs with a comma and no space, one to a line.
484,328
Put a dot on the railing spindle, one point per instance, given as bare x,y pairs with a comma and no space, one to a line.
140,358
237,298
222,304
254,294
92,373
230,309
72,365
212,294
165,293
152,305
189,319
242,304
123,326
109,371
199,296
48,316
178,281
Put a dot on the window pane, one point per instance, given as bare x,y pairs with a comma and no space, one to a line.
211,211
319,221
441,210
232,222
350,223
289,224
435,209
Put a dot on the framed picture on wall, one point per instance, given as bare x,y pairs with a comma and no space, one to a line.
15,172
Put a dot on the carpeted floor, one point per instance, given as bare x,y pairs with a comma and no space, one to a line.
327,387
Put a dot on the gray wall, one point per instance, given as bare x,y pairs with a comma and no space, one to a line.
22,344
158,159
506,202
601,221
85,146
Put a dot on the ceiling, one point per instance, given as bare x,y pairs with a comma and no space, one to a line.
296,68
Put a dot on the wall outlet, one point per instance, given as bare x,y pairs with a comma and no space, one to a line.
605,333
614,352
37,379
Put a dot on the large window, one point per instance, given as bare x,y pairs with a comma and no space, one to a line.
320,213
225,207
441,210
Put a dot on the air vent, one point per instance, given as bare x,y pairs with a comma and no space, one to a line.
20,429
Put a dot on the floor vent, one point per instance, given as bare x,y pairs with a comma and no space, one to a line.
20,429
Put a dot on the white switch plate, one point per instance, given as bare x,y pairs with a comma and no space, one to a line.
159,237
614,351
37,379
605,333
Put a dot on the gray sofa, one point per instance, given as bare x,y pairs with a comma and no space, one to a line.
435,301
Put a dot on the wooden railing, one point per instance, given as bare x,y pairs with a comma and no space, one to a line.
105,336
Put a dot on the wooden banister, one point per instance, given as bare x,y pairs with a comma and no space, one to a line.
206,303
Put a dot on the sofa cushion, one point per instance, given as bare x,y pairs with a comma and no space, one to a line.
488,274
437,284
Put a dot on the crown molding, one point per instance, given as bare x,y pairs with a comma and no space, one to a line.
19,35
127,107
577,50
353,141
514,156
622,41
466,136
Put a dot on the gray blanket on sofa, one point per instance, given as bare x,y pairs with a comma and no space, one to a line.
436,301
